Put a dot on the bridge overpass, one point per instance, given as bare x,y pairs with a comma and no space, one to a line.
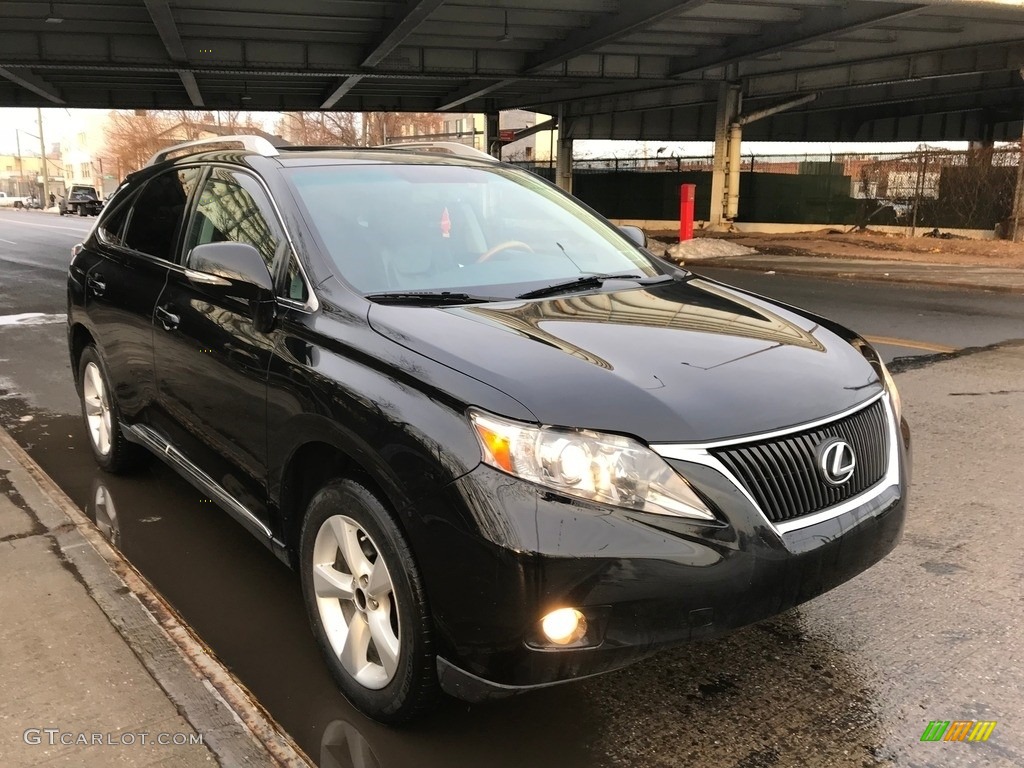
794,70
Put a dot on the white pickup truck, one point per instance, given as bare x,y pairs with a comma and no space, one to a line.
7,201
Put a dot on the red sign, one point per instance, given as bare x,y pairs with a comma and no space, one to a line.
507,134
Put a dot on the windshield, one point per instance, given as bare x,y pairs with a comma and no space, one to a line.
495,231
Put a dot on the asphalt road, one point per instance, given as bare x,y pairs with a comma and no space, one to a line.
849,679
900,319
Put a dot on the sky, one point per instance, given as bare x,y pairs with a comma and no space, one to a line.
55,121
59,122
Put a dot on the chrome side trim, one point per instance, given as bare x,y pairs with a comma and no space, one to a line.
698,454
142,434
204,278
670,450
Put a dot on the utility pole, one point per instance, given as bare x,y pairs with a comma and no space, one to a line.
21,167
1018,196
42,150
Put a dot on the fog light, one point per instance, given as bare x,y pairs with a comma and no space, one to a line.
564,626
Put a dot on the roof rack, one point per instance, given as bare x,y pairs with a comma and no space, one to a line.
441,147
317,147
252,143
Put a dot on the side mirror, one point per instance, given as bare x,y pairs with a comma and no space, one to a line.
635,234
236,268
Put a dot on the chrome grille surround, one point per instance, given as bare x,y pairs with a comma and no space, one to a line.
704,454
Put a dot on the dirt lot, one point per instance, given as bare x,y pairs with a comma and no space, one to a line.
873,245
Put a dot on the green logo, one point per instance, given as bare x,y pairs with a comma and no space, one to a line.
958,730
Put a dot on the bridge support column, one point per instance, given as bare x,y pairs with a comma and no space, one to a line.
492,142
725,176
563,162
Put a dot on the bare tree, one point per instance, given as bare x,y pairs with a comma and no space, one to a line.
348,128
382,127
318,128
132,138
193,124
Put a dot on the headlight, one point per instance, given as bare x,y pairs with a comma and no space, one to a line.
894,394
883,373
589,465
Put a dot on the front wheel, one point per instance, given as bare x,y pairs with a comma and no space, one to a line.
110,448
367,604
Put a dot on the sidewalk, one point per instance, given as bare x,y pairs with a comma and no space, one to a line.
97,670
949,275
728,254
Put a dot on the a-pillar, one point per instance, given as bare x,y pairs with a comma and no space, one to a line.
492,134
725,192
563,162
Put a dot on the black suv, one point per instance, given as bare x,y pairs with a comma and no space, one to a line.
503,445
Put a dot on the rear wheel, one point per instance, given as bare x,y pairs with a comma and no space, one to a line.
109,446
367,604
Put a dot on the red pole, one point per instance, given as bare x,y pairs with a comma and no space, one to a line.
687,193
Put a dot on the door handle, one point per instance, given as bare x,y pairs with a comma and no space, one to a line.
168,319
96,284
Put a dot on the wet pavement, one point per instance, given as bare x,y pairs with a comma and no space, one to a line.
849,679
783,260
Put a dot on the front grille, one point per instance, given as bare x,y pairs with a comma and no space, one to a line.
782,474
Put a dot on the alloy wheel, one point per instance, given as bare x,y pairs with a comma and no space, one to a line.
97,408
356,601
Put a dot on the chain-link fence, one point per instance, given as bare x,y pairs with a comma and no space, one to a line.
922,190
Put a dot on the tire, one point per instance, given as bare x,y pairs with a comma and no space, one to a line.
110,448
389,671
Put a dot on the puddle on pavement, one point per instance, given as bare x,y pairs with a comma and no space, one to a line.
776,694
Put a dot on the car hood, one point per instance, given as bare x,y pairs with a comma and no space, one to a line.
691,360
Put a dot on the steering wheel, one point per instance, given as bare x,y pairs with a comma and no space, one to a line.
503,247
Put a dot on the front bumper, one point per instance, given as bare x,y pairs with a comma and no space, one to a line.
651,581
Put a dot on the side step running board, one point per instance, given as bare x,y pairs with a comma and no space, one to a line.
140,433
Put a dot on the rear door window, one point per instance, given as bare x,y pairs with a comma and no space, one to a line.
159,210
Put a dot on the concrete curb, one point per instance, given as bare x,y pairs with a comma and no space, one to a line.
235,728
782,269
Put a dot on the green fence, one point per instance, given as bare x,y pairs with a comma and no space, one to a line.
930,188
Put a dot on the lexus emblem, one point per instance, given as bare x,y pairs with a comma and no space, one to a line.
836,460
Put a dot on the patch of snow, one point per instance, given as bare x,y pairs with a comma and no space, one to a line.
698,249
31,318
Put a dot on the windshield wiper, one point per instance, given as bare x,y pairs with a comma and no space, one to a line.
429,297
591,281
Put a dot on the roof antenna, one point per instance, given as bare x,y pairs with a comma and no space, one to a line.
506,36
